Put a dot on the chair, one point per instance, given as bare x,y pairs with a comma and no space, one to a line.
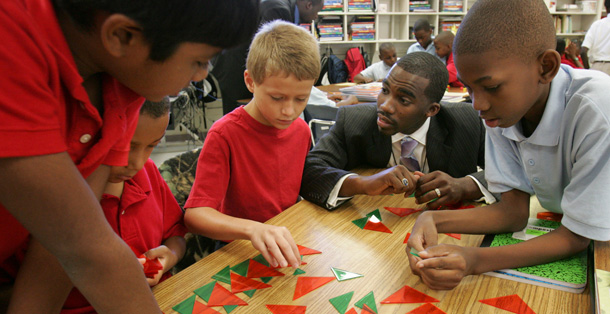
320,119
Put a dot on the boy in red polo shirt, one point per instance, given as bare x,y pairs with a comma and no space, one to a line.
73,73
443,44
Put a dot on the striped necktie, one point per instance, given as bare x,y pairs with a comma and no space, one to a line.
407,146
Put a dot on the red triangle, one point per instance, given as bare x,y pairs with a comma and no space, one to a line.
407,237
512,303
286,309
407,294
427,308
307,251
367,310
257,270
351,311
376,226
302,263
201,308
221,296
455,235
401,211
241,283
307,284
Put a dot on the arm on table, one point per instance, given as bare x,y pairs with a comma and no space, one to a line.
444,266
275,243
359,78
69,227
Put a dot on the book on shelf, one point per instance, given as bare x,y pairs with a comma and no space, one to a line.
453,6
568,274
332,5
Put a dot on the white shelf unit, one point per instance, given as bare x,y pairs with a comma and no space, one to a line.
393,24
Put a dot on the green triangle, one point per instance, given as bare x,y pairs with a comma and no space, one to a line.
241,268
344,274
341,302
249,293
369,300
412,195
186,306
360,222
224,275
206,291
259,258
298,271
375,213
266,279
229,308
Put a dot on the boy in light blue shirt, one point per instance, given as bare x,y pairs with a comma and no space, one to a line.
548,133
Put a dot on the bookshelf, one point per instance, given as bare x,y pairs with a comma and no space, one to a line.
392,21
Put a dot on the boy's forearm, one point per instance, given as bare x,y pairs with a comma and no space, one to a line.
176,245
211,223
66,218
555,245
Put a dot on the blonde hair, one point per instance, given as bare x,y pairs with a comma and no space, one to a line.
282,47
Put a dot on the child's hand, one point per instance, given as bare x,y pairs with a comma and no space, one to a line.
165,256
442,267
423,235
276,245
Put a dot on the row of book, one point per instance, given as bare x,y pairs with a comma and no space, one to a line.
352,5
563,24
332,5
453,6
420,6
363,28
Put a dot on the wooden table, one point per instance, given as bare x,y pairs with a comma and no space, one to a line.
380,257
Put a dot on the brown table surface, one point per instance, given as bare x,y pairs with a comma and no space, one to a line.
380,257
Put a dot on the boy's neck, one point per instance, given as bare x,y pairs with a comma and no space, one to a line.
532,118
81,45
115,189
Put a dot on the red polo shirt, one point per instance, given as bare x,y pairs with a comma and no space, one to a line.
145,216
44,109
570,62
453,80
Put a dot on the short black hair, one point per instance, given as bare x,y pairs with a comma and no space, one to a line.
386,46
168,23
523,28
607,5
561,45
156,109
421,24
429,67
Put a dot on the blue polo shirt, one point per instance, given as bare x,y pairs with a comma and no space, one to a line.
565,161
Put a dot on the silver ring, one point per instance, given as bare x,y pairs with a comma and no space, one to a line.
438,192
405,181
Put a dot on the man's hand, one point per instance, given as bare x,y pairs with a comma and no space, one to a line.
452,190
393,180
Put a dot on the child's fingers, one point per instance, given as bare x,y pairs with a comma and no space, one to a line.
290,250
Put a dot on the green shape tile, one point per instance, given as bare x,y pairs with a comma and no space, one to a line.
298,271
229,308
241,268
259,258
266,279
375,213
341,302
369,300
224,275
206,291
344,274
249,293
360,222
186,306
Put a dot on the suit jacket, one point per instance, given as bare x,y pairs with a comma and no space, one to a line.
229,66
455,144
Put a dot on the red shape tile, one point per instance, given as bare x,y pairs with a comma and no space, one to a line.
351,311
455,235
241,283
376,226
201,308
401,211
307,284
221,296
367,310
257,270
302,263
549,216
307,251
407,237
407,294
512,303
427,308
286,309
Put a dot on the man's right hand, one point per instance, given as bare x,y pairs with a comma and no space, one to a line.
394,180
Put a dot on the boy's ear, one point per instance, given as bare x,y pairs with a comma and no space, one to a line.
433,109
550,61
119,34
249,81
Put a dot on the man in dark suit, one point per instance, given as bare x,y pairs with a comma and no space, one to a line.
450,143
229,67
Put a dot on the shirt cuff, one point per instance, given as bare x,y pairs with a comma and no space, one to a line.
333,199
487,196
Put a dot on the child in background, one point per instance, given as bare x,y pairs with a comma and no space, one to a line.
377,71
571,54
74,74
548,134
252,160
422,31
443,43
